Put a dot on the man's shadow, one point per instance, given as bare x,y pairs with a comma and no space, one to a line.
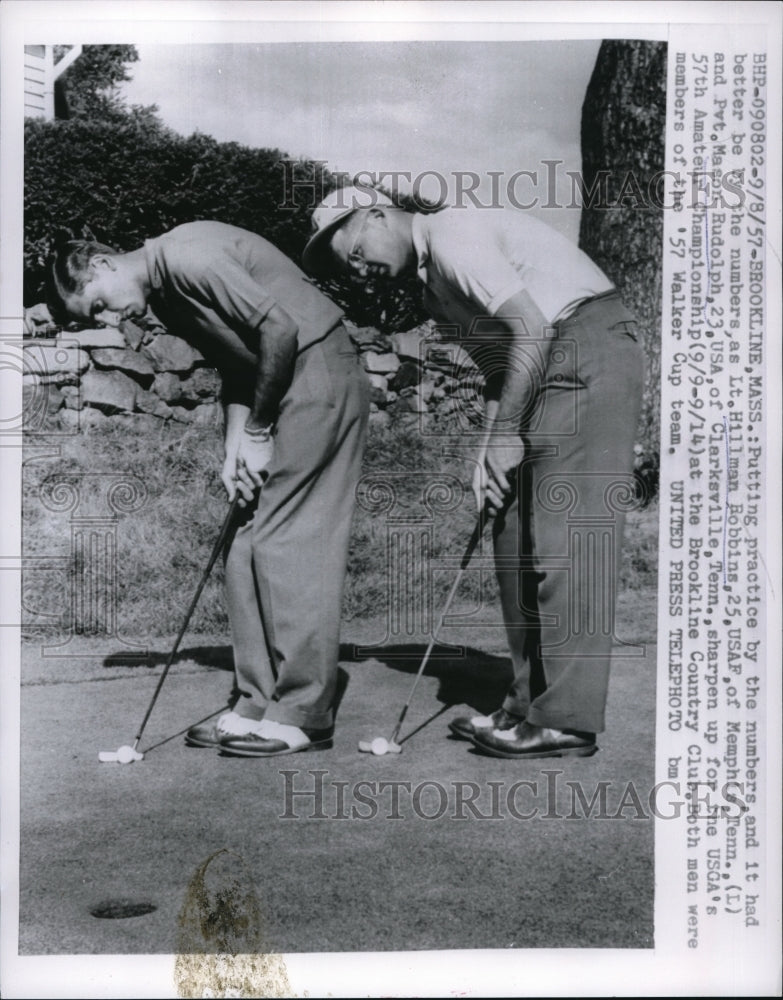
216,657
465,675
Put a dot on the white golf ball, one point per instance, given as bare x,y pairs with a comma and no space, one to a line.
126,754
379,746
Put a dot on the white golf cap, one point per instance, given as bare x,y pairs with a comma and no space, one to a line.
329,215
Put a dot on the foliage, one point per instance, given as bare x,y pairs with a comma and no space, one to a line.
88,88
125,181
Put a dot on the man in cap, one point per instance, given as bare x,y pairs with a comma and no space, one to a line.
564,377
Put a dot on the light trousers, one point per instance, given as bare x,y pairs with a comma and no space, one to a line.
286,563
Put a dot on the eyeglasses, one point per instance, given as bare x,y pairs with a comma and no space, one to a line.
355,255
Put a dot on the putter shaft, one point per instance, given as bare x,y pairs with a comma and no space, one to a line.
216,550
470,549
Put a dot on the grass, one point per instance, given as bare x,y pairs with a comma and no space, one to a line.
162,546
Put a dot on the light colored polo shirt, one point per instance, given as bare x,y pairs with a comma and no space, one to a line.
472,260
214,284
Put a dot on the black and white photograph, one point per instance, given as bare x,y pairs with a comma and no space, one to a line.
391,593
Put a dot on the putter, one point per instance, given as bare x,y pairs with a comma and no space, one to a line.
127,754
379,746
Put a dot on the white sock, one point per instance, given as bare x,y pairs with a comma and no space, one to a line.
481,722
233,724
292,735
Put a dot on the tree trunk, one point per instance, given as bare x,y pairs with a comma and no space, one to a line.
623,145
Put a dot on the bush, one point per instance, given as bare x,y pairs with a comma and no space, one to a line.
127,180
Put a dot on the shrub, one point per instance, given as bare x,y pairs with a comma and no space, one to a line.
127,180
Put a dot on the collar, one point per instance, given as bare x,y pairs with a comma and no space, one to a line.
153,271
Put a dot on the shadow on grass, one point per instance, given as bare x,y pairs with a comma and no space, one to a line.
465,675
218,657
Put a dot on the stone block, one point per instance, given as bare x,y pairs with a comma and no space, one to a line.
124,360
134,335
378,388
368,338
47,361
39,402
172,354
451,359
427,388
380,364
111,392
82,419
73,396
203,384
408,345
167,386
89,339
407,375
148,402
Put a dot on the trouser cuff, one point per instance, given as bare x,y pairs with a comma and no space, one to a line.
249,709
581,724
516,707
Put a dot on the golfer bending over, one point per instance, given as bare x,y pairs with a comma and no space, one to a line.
296,403
564,376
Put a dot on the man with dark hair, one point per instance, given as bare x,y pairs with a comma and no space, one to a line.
296,403
564,377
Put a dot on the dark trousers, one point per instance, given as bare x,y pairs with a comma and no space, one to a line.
286,565
558,546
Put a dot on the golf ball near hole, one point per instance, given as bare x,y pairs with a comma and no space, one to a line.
379,746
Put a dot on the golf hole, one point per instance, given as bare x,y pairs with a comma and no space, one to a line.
119,909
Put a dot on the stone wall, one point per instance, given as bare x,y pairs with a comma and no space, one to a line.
83,378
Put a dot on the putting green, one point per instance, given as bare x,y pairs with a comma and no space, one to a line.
344,851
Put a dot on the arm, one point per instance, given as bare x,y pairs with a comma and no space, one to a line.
521,327
277,347
252,436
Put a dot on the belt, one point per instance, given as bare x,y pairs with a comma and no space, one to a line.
611,294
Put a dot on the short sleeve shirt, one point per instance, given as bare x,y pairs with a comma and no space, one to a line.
214,284
472,260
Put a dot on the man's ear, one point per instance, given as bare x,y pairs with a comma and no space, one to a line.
101,261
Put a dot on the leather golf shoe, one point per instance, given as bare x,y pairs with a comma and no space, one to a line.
211,732
273,739
529,741
465,727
